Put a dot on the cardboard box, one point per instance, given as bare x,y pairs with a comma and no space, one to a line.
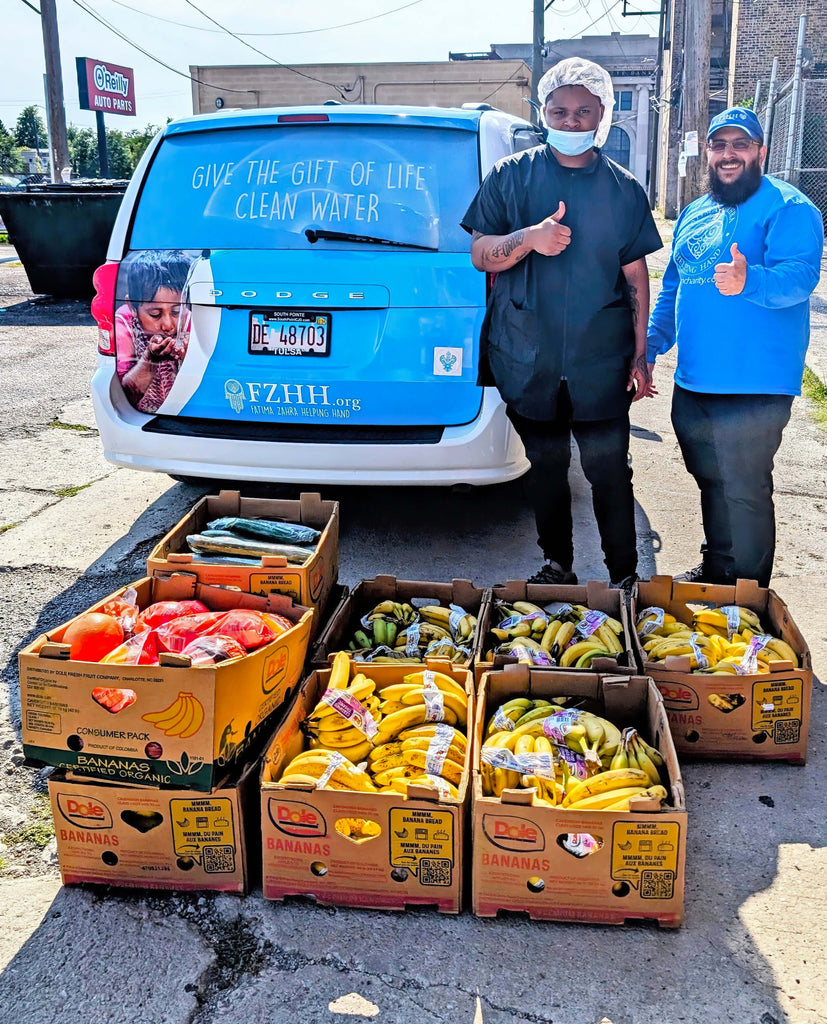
151,838
307,584
594,594
64,726
368,593
772,720
418,859
518,863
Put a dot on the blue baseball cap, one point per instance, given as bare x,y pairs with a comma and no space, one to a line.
737,117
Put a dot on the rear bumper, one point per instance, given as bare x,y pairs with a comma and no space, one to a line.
485,451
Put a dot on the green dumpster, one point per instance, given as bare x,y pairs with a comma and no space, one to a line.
61,233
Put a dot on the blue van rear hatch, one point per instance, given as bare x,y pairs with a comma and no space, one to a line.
331,279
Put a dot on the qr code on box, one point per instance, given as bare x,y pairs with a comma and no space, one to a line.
435,871
657,885
219,859
787,730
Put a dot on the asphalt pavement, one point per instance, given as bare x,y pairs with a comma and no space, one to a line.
751,950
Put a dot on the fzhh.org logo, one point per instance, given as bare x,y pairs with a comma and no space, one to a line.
234,393
707,242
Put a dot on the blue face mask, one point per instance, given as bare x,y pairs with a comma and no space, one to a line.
570,143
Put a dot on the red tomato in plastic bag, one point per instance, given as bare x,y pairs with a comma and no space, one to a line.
212,650
141,649
246,626
157,614
177,633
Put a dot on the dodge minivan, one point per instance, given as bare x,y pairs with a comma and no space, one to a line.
289,297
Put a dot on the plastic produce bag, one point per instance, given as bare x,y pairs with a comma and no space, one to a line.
157,614
140,649
212,650
175,634
267,529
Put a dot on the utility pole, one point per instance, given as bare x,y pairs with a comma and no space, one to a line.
54,89
537,48
696,46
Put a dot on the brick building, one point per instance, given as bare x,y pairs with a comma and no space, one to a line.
764,29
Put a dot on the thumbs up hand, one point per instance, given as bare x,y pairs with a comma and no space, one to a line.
550,237
730,278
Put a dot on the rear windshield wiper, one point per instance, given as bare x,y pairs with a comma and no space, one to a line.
314,234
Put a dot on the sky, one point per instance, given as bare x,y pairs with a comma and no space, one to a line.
179,33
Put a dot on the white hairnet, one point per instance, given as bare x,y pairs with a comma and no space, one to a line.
577,71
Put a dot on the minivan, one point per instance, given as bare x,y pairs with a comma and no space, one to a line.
288,297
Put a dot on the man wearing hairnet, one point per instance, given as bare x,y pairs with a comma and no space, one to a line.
567,232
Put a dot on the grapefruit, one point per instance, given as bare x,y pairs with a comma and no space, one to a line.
92,636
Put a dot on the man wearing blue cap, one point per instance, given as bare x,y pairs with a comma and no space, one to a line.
735,298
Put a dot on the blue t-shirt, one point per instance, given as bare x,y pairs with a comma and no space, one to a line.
755,342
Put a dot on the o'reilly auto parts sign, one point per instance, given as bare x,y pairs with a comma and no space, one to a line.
107,88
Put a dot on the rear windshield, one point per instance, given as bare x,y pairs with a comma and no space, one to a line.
264,187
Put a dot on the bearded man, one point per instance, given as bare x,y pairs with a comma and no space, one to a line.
735,298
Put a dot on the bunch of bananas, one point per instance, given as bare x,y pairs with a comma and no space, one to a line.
568,635
721,641
411,732
395,632
571,758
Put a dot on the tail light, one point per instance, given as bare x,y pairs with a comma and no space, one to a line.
105,279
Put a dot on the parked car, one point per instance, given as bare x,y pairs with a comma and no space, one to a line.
289,297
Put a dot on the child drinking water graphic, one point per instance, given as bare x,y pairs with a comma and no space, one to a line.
152,326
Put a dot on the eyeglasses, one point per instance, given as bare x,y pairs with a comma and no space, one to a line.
738,145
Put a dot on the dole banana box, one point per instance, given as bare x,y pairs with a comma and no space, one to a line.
65,725
595,595
417,857
152,838
754,717
309,584
594,866
367,594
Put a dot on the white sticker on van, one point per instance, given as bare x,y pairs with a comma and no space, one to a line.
234,393
448,362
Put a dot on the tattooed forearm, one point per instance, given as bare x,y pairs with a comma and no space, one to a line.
642,366
631,290
504,248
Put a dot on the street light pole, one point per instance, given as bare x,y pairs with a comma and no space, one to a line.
54,89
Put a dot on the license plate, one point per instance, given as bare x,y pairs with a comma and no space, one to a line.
289,332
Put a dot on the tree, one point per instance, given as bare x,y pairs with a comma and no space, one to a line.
30,130
10,161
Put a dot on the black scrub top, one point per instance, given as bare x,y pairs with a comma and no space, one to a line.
566,317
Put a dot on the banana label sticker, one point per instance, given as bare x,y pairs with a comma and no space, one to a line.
422,842
776,709
645,858
202,831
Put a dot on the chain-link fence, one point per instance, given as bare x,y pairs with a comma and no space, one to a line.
797,137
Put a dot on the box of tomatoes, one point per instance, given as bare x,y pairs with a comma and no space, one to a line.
163,683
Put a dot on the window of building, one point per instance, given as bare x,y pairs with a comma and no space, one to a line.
623,99
617,147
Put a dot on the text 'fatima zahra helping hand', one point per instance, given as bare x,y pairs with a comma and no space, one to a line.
550,237
730,278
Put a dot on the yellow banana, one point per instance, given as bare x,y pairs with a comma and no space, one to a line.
605,782
603,800
784,650
450,770
571,654
390,727
443,682
429,729
459,707
404,771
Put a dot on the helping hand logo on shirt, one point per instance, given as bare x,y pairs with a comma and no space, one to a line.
707,240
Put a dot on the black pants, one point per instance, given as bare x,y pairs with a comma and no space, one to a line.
728,443
604,451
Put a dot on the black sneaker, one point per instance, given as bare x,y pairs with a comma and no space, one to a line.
553,574
626,584
695,575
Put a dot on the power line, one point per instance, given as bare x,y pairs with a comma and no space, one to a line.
297,32
146,53
35,9
267,56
